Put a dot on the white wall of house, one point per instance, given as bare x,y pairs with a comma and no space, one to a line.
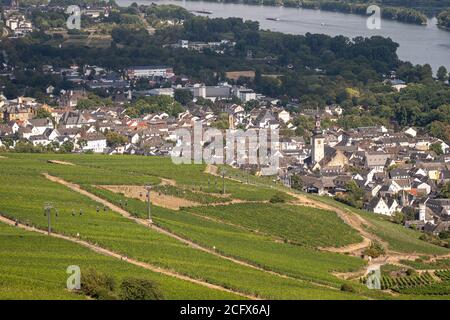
96,146
284,116
383,208
424,186
42,142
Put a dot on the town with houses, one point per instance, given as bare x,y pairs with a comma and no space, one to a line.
396,170
399,170
355,129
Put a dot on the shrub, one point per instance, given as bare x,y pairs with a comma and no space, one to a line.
139,289
411,272
97,285
375,250
347,288
278,198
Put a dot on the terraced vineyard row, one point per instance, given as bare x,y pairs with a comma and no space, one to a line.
443,274
399,283
423,284
195,193
292,269
296,224
24,201
435,289
421,264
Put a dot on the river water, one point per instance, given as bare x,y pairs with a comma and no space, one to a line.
418,44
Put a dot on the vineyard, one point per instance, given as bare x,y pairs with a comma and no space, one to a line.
195,194
296,224
34,267
399,238
424,284
424,265
296,261
266,250
24,202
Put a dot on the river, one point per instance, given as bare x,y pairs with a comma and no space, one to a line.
418,44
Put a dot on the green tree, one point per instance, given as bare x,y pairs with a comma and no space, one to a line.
442,74
114,139
278,197
98,285
139,289
86,104
222,122
399,217
444,190
67,147
437,148
183,96
296,182
43,114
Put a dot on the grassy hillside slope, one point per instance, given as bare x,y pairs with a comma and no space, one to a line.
33,266
282,239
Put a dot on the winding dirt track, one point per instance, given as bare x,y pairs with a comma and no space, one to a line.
64,163
156,228
359,224
112,254
157,198
355,221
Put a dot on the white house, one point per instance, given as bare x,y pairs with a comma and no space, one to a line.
94,142
246,95
284,116
411,132
383,206
376,189
424,187
41,124
149,71
396,186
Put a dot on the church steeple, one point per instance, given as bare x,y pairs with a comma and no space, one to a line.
317,142
317,128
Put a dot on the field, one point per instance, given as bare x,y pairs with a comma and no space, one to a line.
425,265
423,284
259,249
296,224
23,200
34,266
398,237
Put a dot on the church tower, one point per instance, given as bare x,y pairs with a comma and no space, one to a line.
317,143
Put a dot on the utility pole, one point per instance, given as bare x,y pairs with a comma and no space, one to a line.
47,212
149,209
223,181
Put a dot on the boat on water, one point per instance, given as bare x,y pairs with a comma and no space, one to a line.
273,19
203,12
